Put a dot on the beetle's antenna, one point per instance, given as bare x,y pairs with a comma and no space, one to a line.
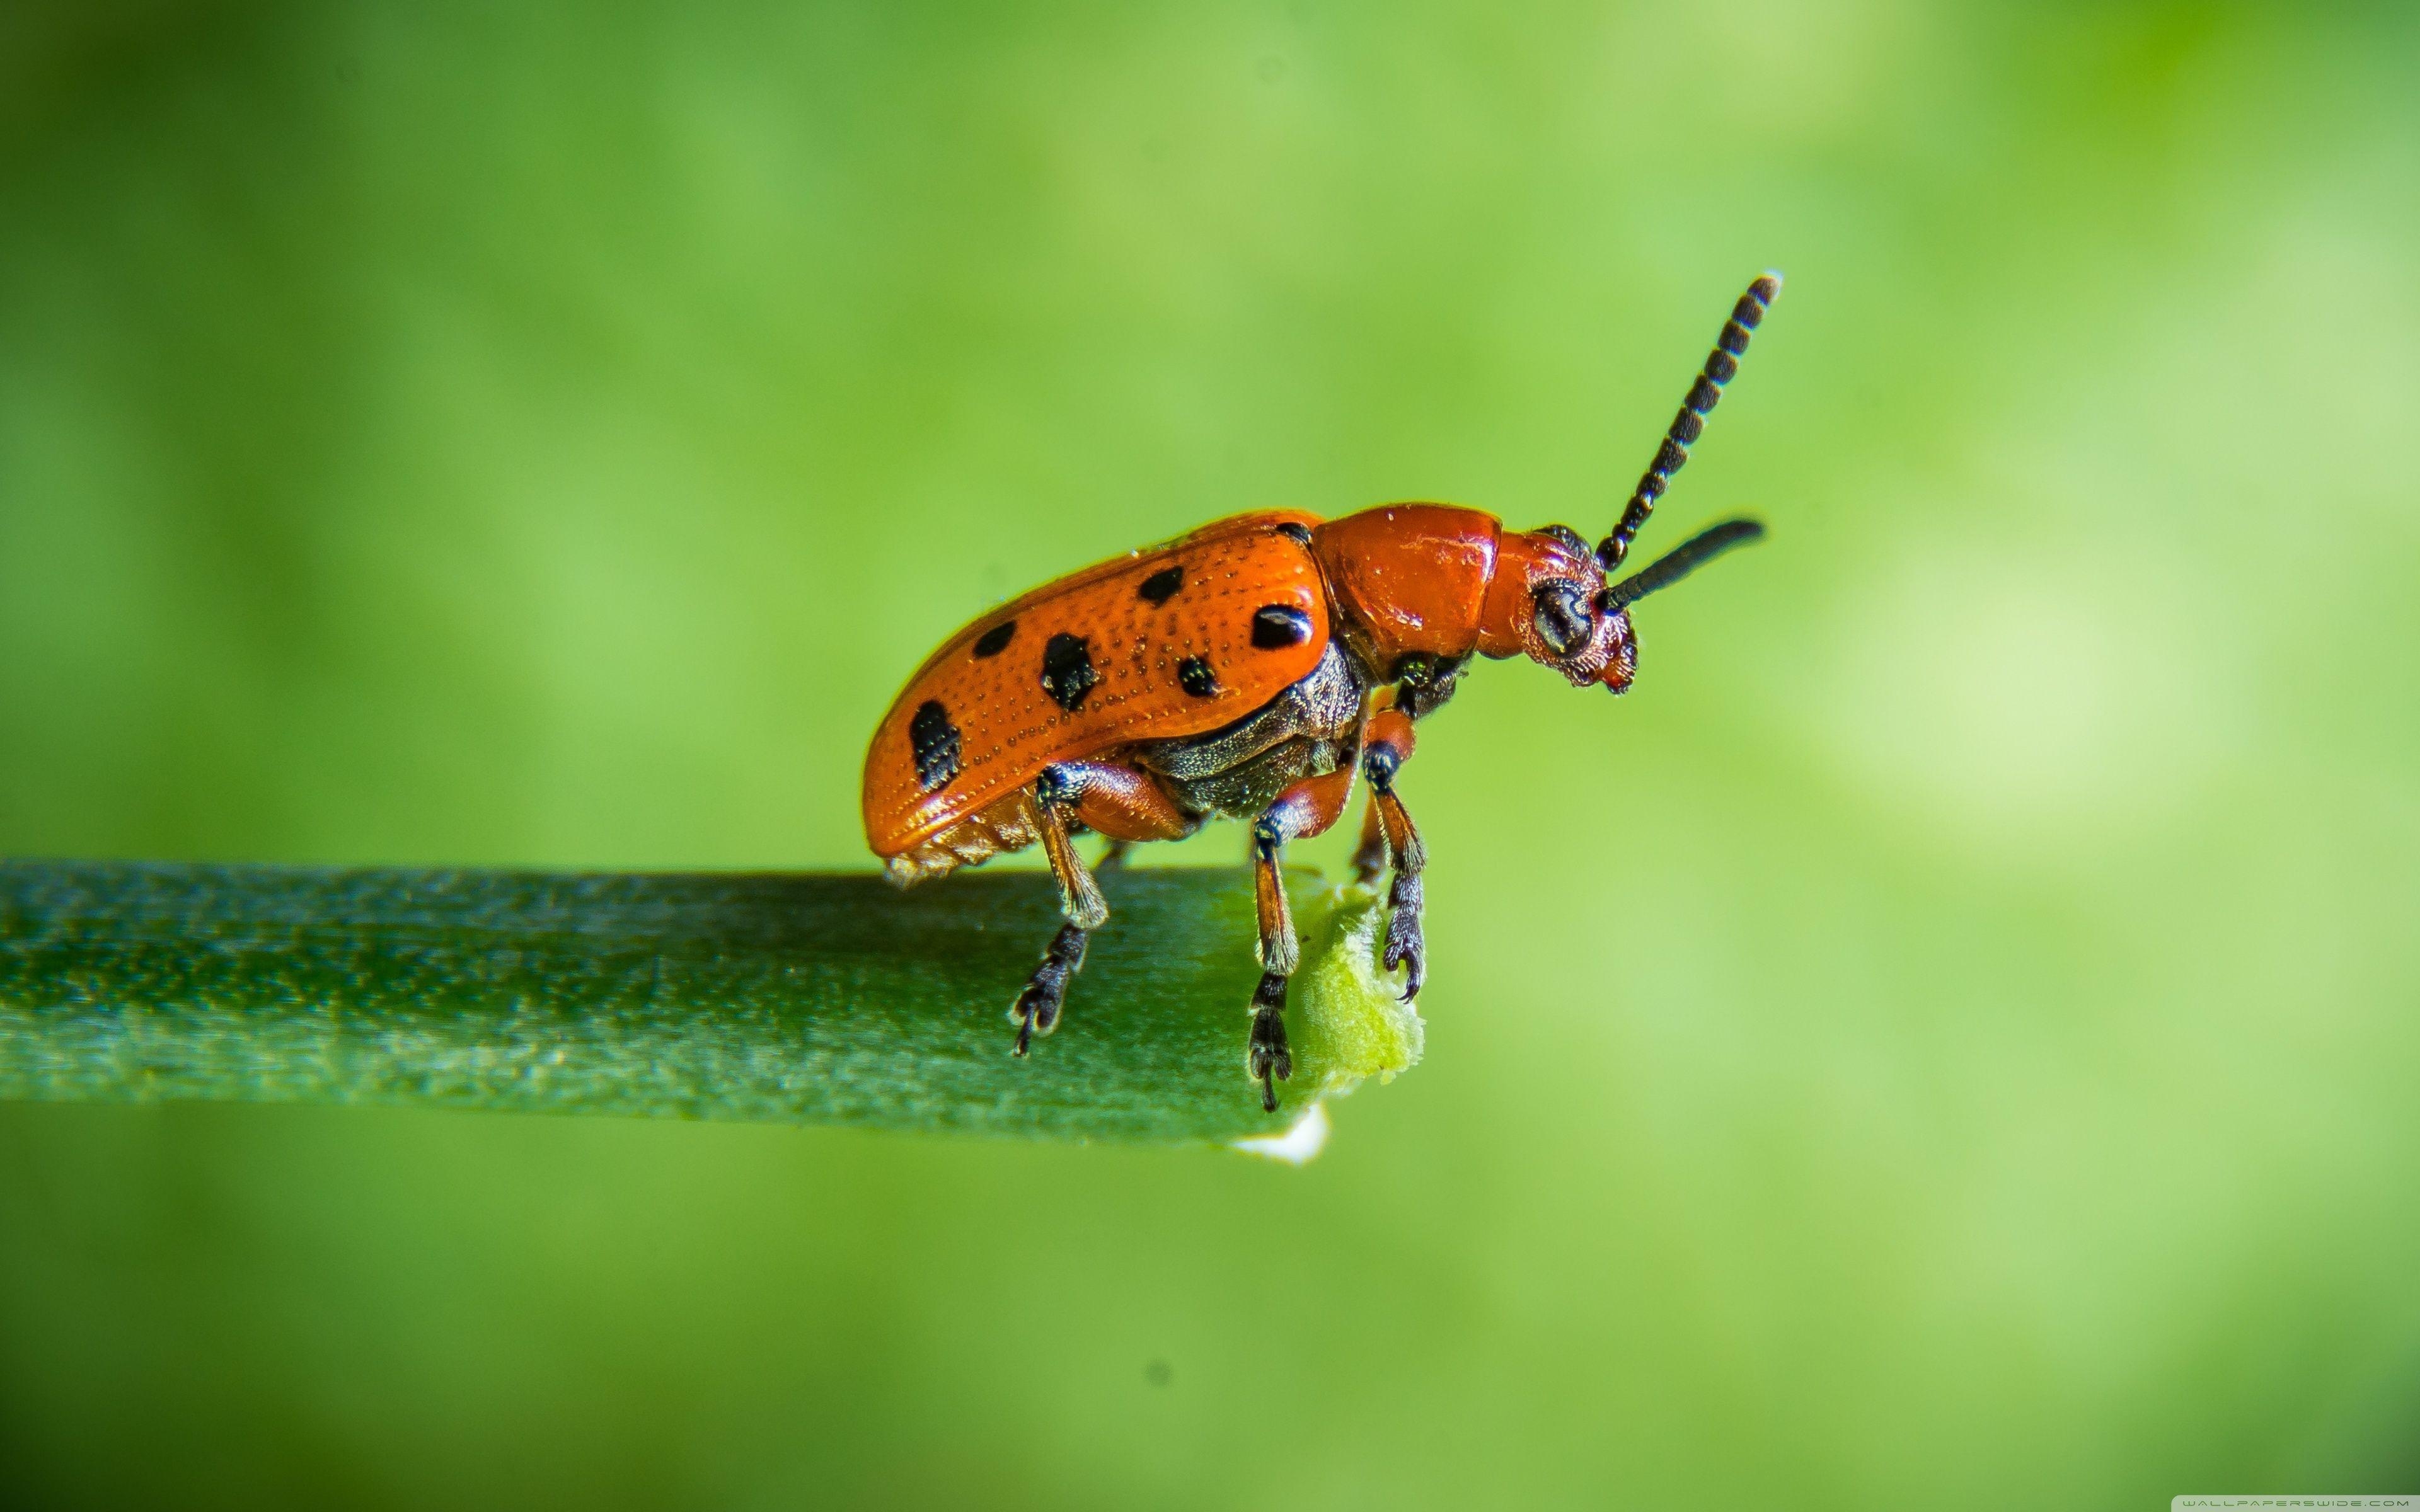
1679,562
1703,395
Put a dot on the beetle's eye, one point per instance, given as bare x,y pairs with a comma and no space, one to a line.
1562,617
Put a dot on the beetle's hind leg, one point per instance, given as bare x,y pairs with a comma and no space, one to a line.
1306,809
1079,898
1118,802
1046,991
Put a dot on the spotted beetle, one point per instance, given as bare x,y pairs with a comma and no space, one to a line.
1250,670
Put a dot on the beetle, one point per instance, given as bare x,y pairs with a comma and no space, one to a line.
1251,669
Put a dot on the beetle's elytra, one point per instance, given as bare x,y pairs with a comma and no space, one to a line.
1251,670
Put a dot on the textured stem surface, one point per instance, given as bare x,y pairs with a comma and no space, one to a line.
794,998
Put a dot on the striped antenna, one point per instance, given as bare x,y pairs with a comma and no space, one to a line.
1679,562
1686,425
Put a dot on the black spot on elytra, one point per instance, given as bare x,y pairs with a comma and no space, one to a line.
1299,532
1067,672
935,740
1194,676
1277,625
994,640
1162,585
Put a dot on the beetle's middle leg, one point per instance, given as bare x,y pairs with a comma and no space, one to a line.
1304,808
1120,802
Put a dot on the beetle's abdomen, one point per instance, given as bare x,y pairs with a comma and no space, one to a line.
1006,825
1158,644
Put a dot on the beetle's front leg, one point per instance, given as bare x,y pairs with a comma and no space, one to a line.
1370,855
1383,754
1120,802
1306,809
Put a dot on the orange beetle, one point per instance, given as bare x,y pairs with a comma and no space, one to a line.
1251,669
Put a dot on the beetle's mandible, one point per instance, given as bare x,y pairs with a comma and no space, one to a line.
1253,669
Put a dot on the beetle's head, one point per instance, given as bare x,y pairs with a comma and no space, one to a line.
1544,604
1552,600
1580,614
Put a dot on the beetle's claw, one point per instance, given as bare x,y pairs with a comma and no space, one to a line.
1405,947
1038,1007
1269,1060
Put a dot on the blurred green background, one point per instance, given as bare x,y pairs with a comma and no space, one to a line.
1946,1038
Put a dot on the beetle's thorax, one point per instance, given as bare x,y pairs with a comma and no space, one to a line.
1416,582
1408,580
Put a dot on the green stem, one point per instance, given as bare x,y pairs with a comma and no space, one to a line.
793,998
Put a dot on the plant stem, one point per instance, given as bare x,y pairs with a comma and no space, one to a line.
792,998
